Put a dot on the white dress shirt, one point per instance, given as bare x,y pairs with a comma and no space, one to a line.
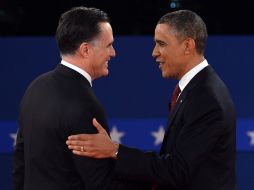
79,70
191,73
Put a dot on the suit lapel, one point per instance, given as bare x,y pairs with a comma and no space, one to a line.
183,96
179,102
194,82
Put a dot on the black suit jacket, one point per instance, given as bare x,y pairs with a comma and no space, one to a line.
198,150
56,105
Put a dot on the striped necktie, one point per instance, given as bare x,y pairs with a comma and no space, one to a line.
174,97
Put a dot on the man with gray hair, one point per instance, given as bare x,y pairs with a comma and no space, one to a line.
62,102
199,147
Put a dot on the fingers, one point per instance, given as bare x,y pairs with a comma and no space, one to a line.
78,143
80,153
87,154
80,148
80,137
84,137
98,126
83,146
77,148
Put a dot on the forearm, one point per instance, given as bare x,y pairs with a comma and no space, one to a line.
151,168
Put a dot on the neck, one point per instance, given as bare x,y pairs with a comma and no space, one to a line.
75,60
191,63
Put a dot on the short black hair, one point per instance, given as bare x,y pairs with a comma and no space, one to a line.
78,25
186,23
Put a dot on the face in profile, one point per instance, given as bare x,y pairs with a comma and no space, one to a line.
168,52
102,51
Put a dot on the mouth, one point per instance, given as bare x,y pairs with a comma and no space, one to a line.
160,63
106,63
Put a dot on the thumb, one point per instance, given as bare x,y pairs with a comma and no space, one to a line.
98,126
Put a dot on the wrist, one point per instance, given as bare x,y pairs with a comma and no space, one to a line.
115,151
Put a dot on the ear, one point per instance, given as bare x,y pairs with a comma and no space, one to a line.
189,45
84,49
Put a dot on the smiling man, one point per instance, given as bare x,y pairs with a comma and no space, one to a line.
198,150
54,107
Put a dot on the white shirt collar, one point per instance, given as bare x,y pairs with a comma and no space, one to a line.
191,73
79,70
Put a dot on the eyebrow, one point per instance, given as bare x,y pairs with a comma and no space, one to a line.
160,41
109,44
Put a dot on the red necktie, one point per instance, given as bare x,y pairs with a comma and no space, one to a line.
174,97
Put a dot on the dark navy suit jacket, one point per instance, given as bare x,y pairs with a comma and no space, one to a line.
58,104
198,150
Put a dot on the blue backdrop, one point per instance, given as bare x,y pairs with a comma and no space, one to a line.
134,94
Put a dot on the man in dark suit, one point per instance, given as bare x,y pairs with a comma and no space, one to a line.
62,102
198,150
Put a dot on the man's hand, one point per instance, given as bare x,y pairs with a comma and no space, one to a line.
93,145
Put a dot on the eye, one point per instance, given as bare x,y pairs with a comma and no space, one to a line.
161,43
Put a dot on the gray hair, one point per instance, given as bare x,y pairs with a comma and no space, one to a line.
185,23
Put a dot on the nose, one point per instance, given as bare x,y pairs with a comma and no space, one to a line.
155,52
112,52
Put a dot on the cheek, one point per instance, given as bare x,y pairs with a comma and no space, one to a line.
103,67
168,69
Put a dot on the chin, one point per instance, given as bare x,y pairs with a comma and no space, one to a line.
164,75
106,73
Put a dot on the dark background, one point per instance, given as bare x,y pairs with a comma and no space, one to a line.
129,17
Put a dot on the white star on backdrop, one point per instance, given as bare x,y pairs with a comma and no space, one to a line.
158,135
14,138
116,135
251,135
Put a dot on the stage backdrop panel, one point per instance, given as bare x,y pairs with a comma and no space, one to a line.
134,95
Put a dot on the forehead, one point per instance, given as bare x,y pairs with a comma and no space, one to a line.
163,31
105,28
106,31
162,27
